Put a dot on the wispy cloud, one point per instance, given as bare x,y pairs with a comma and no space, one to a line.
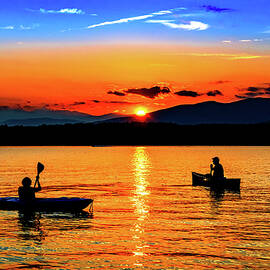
251,40
162,12
210,8
246,57
192,25
243,40
124,20
9,27
131,19
225,55
31,27
21,27
62,11
178,9
71,11
226,41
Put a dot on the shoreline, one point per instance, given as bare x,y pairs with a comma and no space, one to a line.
136,134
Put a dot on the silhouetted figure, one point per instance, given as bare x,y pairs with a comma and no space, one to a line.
217,172
26,192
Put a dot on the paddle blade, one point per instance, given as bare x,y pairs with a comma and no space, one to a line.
40,167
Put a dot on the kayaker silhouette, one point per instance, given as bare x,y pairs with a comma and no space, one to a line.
216,170
26,192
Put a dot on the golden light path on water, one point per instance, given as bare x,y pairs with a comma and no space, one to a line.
147,214
142,164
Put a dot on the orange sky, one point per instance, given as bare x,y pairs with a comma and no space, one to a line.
79,77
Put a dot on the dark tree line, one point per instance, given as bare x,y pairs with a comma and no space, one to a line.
135,134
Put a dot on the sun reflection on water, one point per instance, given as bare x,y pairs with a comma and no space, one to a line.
142,165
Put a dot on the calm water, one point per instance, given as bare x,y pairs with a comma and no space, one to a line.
146,213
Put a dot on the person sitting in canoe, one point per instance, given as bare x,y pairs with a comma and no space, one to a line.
217,172
26,192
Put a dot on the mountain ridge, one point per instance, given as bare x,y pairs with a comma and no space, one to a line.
13,117
247,111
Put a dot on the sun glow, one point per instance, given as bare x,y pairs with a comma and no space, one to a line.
140,112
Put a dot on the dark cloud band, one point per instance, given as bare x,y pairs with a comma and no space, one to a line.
187,93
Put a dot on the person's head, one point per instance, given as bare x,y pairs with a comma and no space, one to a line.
215,160
26,182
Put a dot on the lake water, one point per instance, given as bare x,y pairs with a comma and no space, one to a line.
147,215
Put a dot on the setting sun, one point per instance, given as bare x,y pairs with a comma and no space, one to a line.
140,112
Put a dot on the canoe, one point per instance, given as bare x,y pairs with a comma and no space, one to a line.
226,183
62,204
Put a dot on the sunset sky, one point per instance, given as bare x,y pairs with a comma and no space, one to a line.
104,56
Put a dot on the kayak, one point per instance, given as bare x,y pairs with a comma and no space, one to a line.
62,204
225,183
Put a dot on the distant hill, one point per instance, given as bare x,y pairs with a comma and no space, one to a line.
247,111
14,117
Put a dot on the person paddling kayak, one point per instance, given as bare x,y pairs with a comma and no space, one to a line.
26,192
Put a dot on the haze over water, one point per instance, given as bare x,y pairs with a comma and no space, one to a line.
147,215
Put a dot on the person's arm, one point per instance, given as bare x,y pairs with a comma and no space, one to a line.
39,186
211,168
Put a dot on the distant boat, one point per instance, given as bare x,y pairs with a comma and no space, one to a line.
227,183
62,204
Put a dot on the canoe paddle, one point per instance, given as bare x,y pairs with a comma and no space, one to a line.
40,168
